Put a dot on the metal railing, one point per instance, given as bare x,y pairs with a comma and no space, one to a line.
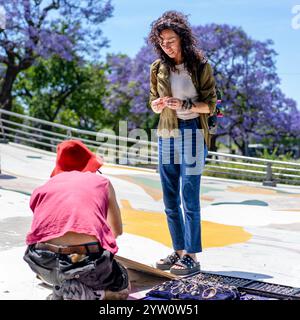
123,150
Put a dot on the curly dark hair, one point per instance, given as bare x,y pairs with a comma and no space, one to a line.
177,22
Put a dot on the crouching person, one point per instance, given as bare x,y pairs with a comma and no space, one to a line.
76,220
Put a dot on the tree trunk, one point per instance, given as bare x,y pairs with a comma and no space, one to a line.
213,146
239,145
246,150
6,90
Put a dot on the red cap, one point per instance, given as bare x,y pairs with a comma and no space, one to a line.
74,155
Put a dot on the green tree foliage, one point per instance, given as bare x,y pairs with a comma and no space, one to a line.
66,92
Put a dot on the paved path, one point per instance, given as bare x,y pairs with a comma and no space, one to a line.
247,230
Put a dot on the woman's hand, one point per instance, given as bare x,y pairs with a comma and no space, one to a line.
159,104
174,103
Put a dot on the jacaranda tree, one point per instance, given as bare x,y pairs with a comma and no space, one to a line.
128,88
41,28
245,70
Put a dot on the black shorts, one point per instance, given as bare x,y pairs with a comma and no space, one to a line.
99,271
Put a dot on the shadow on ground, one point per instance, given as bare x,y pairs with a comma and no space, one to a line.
7,177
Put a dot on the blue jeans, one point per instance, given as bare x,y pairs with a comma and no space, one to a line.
183,158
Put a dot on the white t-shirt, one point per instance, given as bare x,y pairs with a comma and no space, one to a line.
182,87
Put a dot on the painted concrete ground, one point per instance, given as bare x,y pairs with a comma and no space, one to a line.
247,230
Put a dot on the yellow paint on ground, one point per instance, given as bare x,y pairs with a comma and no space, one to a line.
251,190
116,166
154,226
156,195
207,198
296,195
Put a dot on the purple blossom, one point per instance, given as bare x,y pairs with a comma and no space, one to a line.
39,27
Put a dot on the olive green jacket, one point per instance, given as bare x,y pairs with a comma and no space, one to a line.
204,83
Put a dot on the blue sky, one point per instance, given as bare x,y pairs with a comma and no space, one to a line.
261,19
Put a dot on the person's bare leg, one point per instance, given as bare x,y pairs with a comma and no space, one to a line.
179,252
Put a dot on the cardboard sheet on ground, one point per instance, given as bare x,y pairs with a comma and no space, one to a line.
137,266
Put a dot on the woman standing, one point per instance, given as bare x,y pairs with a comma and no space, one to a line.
182,90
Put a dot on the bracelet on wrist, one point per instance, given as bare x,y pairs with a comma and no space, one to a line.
190,104
187,104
